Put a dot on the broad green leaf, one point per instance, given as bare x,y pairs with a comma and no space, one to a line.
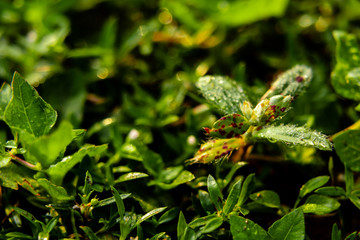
27,110
320,204
229,126
311,185
89,232
331,191
233,197
57,192
58,171
347,146
206,202
212,225
5,96
130,176
246,189
47,148
13,175
222,92
293,82
215,192
293,135
267,198
5,157
169,215
353,236
189,234
346,76
242,228
216,149
150,214
336,233
289,227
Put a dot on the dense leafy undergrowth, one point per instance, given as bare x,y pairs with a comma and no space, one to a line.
179,119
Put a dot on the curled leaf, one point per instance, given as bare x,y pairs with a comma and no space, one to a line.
216,149
229,126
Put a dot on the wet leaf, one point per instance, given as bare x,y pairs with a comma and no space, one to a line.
293,135
293,82
313,184
233,197
27,111
130,176
246,189
150,214
223,93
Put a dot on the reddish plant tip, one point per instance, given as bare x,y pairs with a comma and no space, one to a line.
299,79
207,130
283,109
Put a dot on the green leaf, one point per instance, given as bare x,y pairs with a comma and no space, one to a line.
229,126
222,92
319,204
46,149
311,185
169,215
346,76
336,233
347,146
56,192
206,202
158,236
201,221
215,192
212,225
216,149
89,232
293,82
267,198
27,110
242,228
353,236
5,96
119,202
289,227
290,134
58,171
150,214
233,197
111,200
183,177
181,226
355,200
331,191
130,176
246,189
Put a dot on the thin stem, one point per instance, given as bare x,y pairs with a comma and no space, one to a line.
23,162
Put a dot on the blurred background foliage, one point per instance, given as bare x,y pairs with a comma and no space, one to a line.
126,70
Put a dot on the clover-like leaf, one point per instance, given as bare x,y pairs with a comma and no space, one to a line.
229,126
216,149
27,110
289,227
319,204
290,134
293,82
224,93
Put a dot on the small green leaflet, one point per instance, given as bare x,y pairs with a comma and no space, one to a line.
27,110
222,92
290,134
